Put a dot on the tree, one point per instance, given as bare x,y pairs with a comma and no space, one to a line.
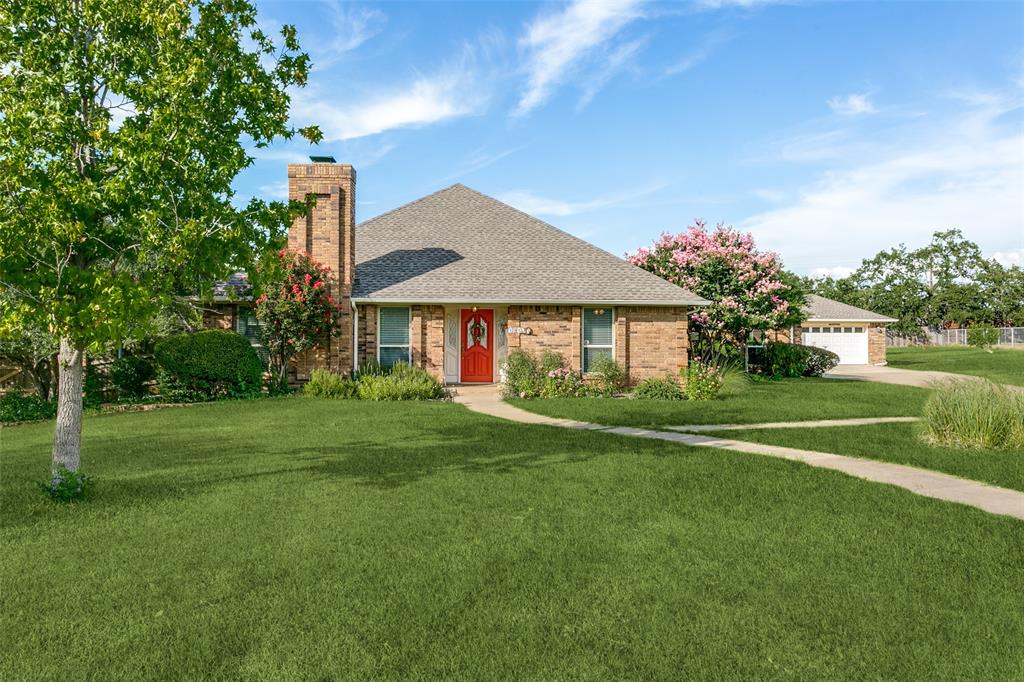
122,126
296,311
747,288
31,349
946,282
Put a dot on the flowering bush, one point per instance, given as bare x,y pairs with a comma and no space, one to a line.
747,288
563,382
296,310
703,382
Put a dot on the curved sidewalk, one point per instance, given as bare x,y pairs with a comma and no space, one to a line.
992,499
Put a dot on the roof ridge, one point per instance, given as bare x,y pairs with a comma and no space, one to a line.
582,242
413,202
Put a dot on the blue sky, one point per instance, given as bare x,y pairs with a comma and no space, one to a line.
829,130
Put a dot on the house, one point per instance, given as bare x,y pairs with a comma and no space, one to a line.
456,280
856,335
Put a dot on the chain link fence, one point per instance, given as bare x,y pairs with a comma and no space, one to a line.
1008,336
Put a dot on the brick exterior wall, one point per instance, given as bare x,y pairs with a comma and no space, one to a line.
649,341
328,235
427,338
367,333
220,316
876,344
556,328
656,341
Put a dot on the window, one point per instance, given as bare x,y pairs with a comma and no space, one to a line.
597,335
805,330
393,336
248,326
859,330
847,330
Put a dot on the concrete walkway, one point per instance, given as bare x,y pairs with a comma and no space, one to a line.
814,424
486,400
903,377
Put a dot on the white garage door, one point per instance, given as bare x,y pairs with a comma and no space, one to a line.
849,342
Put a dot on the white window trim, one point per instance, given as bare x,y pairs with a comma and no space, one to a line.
583,342
407,346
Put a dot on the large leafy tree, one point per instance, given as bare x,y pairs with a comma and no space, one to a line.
122,126
748,290
944,282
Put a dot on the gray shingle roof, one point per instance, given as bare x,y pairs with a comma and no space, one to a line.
821,308
460,246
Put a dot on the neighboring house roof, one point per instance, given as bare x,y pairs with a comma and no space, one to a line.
460,246
821,308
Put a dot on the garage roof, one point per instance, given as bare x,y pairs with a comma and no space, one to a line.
819,308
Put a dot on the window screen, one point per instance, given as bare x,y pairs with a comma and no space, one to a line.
597,335
393,336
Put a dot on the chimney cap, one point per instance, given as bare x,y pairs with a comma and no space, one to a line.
322,159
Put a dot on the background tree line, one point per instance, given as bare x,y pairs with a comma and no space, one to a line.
947,283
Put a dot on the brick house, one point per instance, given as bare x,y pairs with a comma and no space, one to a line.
456,280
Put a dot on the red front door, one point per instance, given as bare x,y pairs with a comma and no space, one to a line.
477,346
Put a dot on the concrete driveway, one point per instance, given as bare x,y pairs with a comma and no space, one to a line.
892,375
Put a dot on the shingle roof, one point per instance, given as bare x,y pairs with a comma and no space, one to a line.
821,308
460,246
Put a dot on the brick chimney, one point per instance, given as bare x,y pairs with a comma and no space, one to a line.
328,235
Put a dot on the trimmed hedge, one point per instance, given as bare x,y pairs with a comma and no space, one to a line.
206,365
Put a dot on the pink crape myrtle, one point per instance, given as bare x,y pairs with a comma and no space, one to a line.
748,289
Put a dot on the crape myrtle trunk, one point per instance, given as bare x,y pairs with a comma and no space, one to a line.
67,440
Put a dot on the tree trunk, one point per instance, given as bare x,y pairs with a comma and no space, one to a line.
67,439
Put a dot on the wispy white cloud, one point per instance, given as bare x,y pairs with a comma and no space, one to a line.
722,4
852,104
699,52
274,190
617,61
557,43
963,170
534,204
477,161
351,26
454,91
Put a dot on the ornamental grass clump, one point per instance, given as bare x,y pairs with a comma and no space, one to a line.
326,384
403,382
975,414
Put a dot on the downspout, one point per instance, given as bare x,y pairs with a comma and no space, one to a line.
355,338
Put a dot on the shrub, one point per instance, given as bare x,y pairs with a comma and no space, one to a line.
65,485
94,386
403,382
982,336
563,382
819,361
325,384
372,366
15,407
975,414
523,375
130,376
663,388
778,360
606,377
206,365
703,382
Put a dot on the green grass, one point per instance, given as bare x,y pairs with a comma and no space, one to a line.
1002,365
307,539
746,403
898,443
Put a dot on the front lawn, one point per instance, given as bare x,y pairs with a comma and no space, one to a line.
897,443
1002,365
307,539
746,403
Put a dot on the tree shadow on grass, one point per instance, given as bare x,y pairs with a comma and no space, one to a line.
165,470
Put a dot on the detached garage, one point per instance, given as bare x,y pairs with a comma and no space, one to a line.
856,335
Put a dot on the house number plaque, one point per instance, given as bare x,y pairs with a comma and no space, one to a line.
528,331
